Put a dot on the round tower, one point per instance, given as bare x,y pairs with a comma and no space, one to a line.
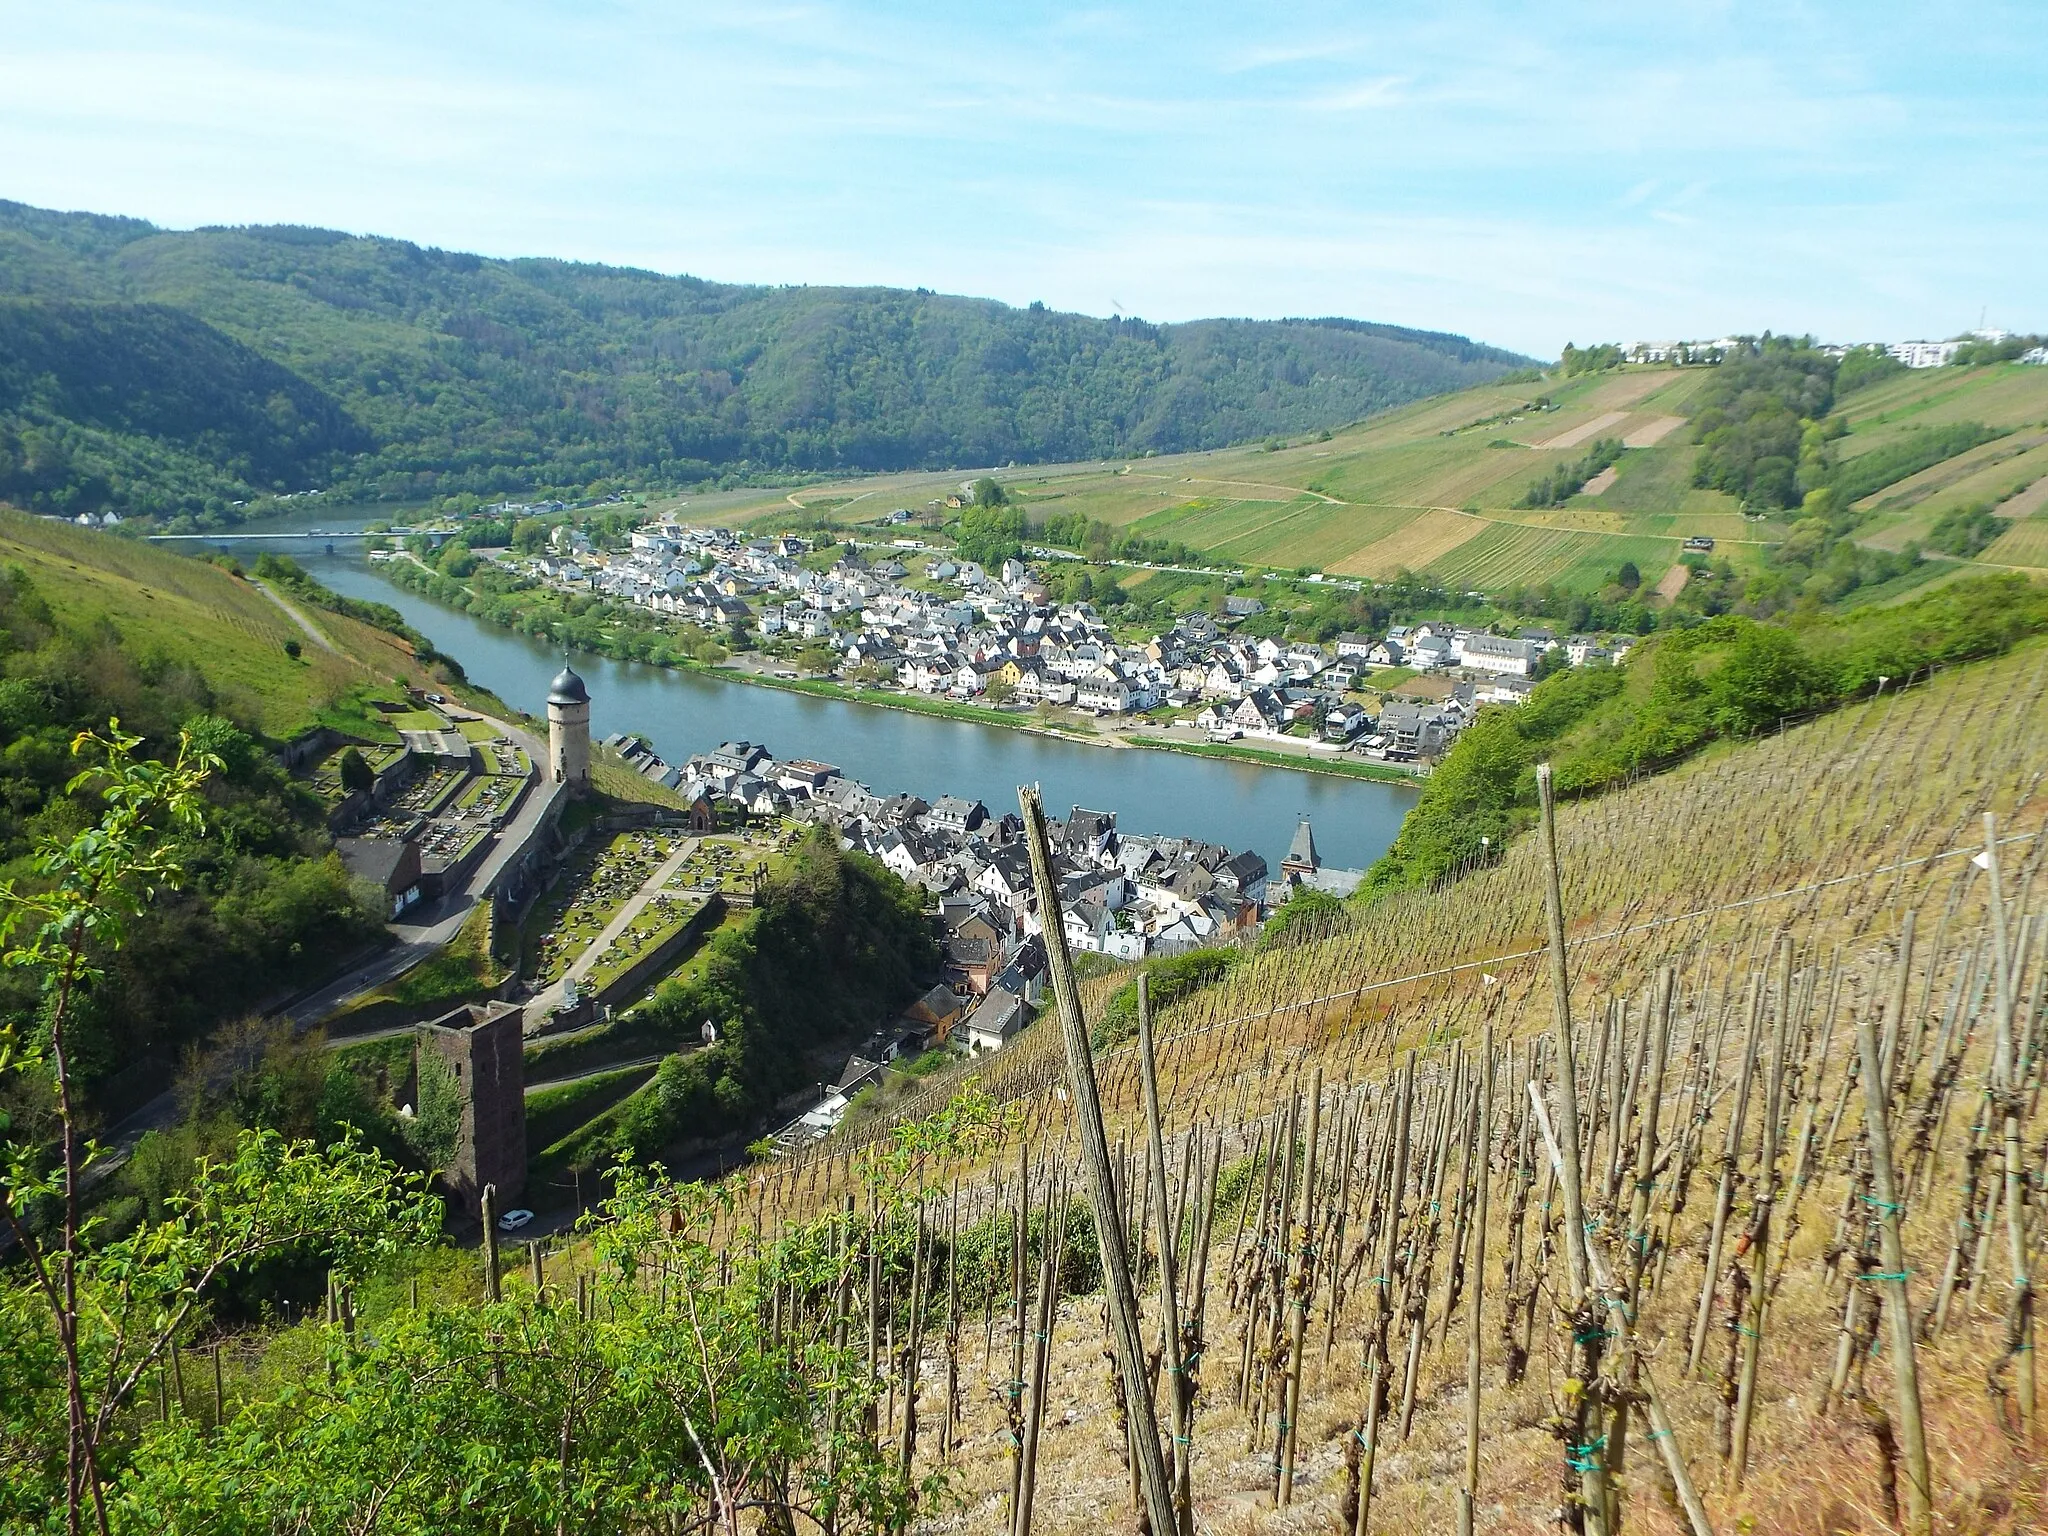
569,732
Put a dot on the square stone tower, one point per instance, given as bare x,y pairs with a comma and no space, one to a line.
482,1045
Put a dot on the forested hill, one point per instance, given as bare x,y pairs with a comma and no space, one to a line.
399,371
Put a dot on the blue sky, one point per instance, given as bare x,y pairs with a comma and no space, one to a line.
1525,174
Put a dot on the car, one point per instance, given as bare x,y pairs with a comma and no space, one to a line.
512,1221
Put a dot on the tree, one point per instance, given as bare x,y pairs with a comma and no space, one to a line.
818,658
92,1317
1000,690
991,533
357,777
1628,578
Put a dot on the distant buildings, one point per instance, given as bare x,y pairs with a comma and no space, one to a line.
1922,354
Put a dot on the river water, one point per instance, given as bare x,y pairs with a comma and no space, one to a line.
1241,805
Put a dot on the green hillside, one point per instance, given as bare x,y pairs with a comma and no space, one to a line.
168,612
430,372
94,628
139,406
1442,487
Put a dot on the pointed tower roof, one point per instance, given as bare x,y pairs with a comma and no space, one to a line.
1301,854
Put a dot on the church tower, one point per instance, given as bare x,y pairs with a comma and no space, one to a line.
569,732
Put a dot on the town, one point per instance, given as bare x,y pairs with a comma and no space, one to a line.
926,622
1124,895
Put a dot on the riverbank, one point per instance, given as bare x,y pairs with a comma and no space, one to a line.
412,574
915,703
947,709
1344,768
927,747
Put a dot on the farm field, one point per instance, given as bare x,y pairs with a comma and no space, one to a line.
2025,543
1785,889
1387,494
2009,395
1505,556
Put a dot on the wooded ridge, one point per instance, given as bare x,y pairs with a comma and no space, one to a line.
372,367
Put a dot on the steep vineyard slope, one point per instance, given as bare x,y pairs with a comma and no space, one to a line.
1770,885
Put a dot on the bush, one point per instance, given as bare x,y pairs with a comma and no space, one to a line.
1168,979
1967,530
1722,678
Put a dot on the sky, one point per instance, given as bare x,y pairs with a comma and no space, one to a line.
1524,174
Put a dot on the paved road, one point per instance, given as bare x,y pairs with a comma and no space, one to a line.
611,1066
428,929
549,997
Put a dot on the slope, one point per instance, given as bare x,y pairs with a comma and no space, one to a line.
1767,881
1441,487
488,375
161,605
148,409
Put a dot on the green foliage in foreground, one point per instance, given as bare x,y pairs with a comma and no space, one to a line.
265,905
681,1392
1727,677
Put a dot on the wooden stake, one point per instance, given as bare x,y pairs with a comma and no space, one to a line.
1584,1455
1468,1495
1898,1312
1169,1301
1095,1149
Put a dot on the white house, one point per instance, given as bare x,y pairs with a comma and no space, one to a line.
1492,653
1922,354
994,1022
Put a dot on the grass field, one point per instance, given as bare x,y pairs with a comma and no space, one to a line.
2025,543
1503,556
185,610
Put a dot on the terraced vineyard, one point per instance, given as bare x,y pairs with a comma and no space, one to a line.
1378,497
1503,555
1356,1156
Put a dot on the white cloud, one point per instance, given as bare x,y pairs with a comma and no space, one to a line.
1838,168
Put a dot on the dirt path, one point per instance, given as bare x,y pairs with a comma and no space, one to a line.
1653,432
550,997
1292,491
298,618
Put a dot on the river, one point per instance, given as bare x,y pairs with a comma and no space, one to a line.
1241,805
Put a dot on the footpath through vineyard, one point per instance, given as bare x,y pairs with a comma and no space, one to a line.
1731,1230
